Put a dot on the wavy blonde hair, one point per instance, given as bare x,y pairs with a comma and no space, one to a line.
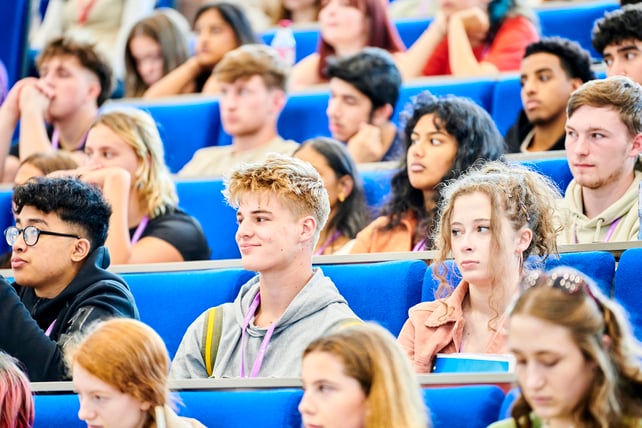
153,180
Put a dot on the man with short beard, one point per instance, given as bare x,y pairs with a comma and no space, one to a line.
603,143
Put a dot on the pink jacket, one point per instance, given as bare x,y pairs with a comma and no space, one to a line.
437,327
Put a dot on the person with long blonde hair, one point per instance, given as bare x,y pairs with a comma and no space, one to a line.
16,401
359,377
126,161
491,220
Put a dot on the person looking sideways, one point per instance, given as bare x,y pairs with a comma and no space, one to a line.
282,206
577,362
359,378
155,46
126,161
253,81
472,38
491,220
59,267
618,37
364,89
221,27
348,208
16,401
603,144
120,371
444,137
346,27
56,109
551,70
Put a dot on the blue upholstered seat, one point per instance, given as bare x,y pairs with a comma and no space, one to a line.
170,301
628,287
474,406
556,169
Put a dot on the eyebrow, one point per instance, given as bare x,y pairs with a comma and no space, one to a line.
33,221
627,48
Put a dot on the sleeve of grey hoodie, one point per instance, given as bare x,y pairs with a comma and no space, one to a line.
188,362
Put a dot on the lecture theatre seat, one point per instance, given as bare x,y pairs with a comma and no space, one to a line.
6,216
14,26
507,102
599,265
556,169
628,287
451,407
170,301
380,292
202,198
376,184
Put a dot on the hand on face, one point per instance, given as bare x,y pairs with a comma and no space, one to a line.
12,102
366,145
475,22
36,96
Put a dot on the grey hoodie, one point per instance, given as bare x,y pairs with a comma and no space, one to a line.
317,309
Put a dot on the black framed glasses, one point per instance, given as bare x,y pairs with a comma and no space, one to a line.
30,234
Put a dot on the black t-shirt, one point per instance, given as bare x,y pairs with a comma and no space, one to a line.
181,231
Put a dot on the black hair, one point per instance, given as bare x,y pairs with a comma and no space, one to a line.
235,17
575,60
372,71
618,26
477,139
74,201
352,214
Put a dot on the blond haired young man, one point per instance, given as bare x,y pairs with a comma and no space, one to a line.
281,207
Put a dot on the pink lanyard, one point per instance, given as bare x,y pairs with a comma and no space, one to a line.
139,230
264,344
328,242
609,232
421,245
51,326
83,10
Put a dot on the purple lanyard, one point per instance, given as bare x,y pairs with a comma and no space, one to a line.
609,232
328,242
51,326
264,344
139,230
421,245
55,140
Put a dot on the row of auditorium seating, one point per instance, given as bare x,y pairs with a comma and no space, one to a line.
277,408
203,199
553,21
377,291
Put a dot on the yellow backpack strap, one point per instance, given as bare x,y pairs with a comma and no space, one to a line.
211,337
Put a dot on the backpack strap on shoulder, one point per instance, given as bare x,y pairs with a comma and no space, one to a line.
211,337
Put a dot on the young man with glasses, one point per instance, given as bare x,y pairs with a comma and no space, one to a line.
58,261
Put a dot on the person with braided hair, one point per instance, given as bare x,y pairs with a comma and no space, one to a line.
490,219
577,362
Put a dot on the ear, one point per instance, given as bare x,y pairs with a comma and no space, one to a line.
636,146
81,250
346,184
278,100
94,88
524,238
381,115
145,406
576,82
308,228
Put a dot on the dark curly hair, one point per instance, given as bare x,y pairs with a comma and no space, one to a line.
617,26
477,138
74,201
575,60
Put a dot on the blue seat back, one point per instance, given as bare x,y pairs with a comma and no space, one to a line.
376,184
304,116
203,200
575,22
14,25
628,287
555,169
380,292
57,411
6,216
170,301
507,102
599,265
475,406
507,404
185,124
273,408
